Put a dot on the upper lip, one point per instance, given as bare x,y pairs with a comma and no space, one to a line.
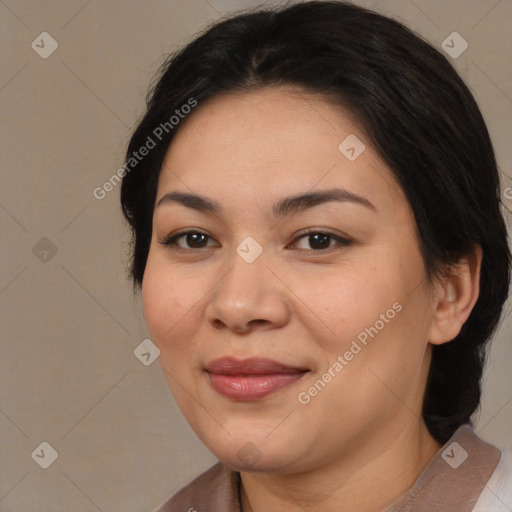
252,366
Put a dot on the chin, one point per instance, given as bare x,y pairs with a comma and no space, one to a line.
258,454
258,463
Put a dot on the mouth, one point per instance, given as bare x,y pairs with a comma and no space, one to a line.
251,379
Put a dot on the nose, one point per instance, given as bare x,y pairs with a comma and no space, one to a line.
248,297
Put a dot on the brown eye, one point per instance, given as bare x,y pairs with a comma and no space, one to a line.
319,241
188,240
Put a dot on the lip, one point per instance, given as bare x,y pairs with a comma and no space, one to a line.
251,379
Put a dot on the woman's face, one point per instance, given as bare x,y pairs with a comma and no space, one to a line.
330,285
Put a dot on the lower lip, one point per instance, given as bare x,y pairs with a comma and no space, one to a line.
252,387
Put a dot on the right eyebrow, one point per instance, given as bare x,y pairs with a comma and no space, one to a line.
193,201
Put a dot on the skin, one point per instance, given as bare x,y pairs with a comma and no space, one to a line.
361,441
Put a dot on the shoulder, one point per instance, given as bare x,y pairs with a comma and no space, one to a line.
497,493
217,489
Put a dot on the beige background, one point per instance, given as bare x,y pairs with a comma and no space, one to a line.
70,322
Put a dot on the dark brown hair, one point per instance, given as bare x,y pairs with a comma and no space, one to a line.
417,112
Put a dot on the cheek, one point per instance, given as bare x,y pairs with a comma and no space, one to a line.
340,304
373,318
171,314
169,306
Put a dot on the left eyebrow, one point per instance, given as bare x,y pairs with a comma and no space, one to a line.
309,200
282,208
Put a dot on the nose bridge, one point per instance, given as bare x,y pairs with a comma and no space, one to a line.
248,293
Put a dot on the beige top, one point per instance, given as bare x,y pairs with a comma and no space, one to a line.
452,481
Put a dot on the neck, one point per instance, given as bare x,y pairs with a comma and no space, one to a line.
368,479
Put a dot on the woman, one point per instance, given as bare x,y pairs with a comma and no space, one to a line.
322,259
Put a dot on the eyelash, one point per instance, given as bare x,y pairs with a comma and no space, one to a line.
171,241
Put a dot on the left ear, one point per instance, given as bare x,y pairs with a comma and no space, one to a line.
456,297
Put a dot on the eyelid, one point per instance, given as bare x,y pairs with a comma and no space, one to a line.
341,240
170,240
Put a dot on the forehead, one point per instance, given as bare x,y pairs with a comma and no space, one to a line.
274,138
